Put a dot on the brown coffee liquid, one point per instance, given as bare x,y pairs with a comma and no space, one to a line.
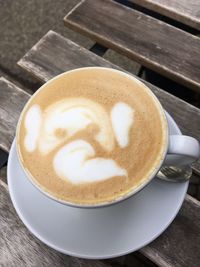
140,158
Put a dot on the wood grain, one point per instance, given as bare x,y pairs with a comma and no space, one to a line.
12,100
187,12
18,247
152,43
54,54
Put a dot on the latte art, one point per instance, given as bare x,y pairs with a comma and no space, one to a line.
62,120
122,121
77,163
32,125
73,115
91,136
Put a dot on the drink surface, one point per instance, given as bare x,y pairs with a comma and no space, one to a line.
91,136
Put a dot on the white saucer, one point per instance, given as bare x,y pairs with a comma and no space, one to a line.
96,233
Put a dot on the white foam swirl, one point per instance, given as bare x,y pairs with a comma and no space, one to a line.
32,125
72,115
122,116
74,162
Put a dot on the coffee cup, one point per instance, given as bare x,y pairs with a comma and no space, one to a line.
94,136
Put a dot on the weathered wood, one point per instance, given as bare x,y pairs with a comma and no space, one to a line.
180,242
153,43
187,12
12,100
18,247
54,54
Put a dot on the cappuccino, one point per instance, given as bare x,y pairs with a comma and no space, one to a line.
91,135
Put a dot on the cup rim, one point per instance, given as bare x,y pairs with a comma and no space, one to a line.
133,190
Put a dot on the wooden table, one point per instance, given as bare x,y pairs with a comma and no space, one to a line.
168,50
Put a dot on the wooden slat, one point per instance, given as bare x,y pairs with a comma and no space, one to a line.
153,43
45,63
18,247
187,12
54,54
12,100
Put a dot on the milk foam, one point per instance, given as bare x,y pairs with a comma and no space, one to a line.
75,163
72,115
122,116
32,124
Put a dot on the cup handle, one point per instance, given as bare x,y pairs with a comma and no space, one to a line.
182,150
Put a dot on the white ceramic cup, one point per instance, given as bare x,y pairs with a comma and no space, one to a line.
179,150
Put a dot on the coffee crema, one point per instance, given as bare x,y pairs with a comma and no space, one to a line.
91,135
